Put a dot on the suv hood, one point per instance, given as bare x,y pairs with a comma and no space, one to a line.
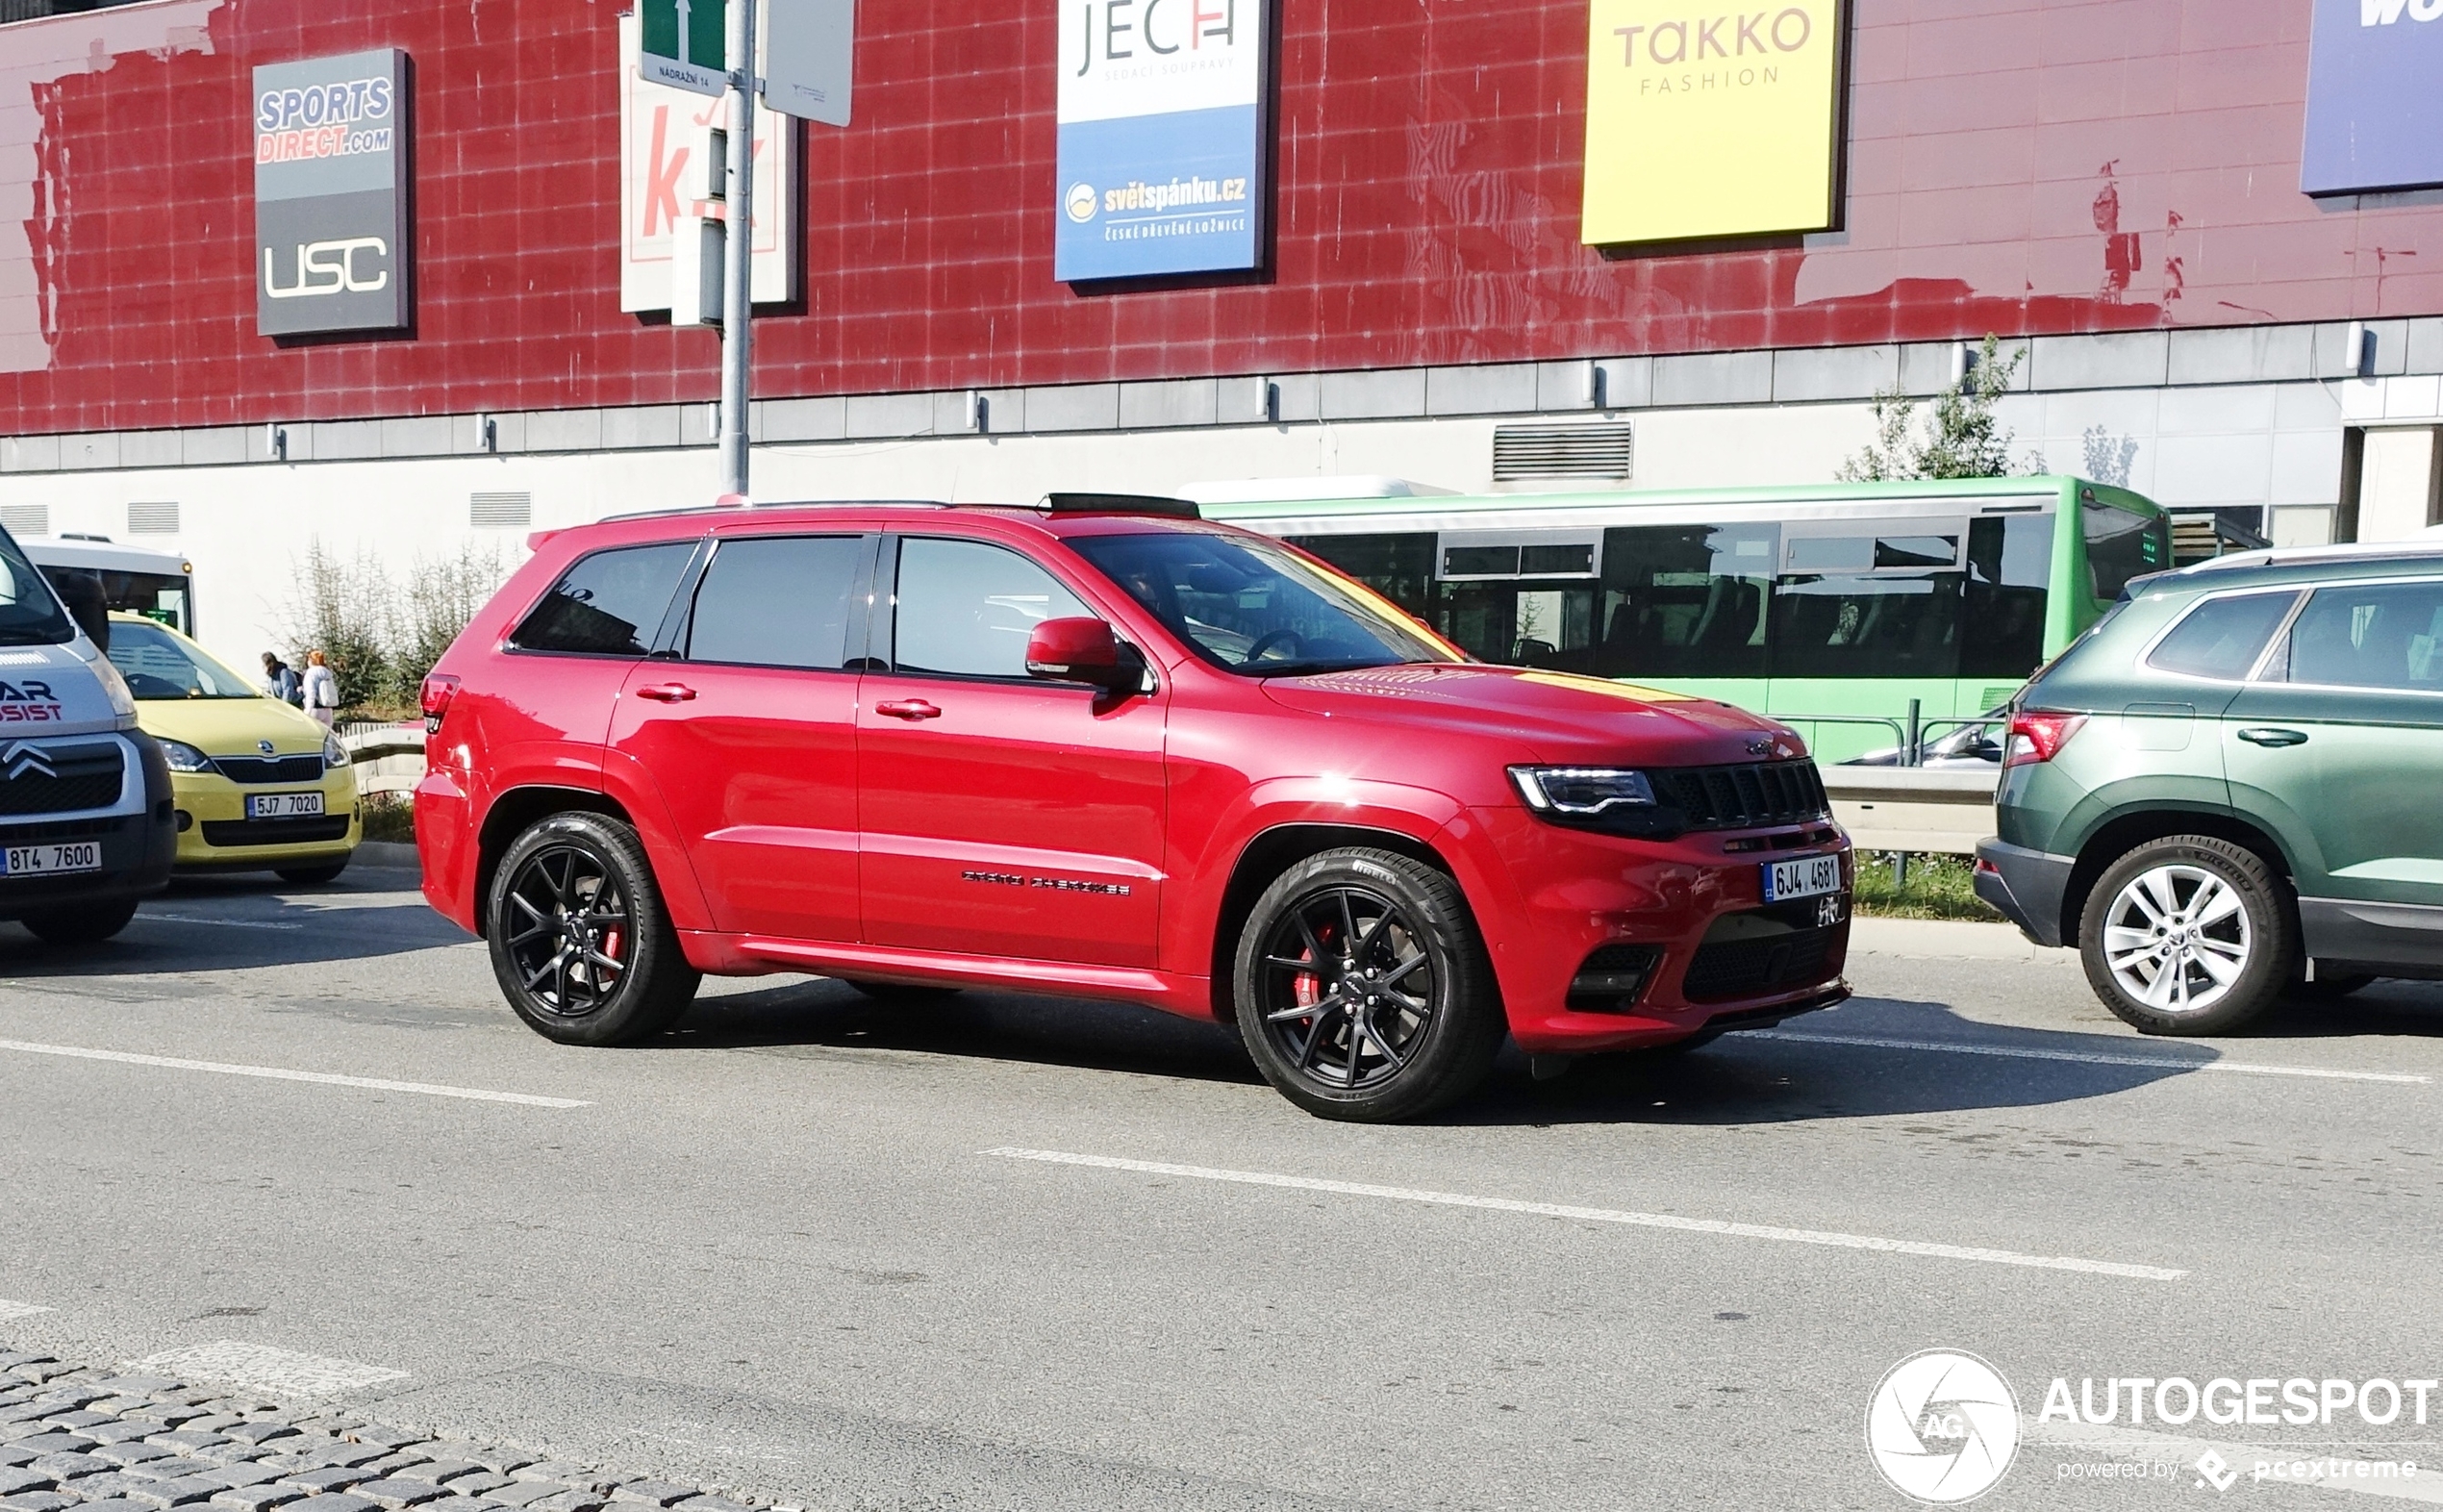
1556,716
48,690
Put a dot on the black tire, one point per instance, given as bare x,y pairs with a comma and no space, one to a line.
313,876
2189,935
902,994
581,943
1428,1045
90,925
2331,986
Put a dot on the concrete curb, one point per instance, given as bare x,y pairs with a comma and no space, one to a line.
386,853
1947,940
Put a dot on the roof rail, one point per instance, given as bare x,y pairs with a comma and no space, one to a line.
760,504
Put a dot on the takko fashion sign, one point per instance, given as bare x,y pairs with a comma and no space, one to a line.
331,233
1709,122
1161,126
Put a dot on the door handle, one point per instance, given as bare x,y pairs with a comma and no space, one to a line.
2260,735
668,693
907,709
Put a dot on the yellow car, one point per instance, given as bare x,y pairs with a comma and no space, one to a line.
259,786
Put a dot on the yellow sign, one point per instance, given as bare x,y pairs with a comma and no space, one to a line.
1704,121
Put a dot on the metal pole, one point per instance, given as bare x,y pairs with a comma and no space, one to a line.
738,242
1912,752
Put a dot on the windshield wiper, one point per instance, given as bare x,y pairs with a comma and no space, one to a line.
23,637
1309,669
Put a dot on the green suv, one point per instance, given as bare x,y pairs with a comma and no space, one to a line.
2231,788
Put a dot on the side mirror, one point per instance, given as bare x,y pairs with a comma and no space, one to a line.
1083,650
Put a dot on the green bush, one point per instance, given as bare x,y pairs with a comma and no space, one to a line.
381,630
1938,887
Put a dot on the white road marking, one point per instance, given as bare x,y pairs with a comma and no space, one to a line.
144,918
2339,1472
1602,1214
2087,1057
259,1367
11,1312
281,1074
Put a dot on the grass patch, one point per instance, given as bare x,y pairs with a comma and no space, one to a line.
390,820
1938,887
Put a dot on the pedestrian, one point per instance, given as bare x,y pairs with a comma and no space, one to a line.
321,688
280,680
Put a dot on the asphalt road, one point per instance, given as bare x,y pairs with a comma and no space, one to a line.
788,1247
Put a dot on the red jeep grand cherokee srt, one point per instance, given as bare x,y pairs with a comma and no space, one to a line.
1101,748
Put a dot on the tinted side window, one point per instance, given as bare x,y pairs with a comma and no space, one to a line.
2009,570
2221,638
2386,635
2121,545
777,602
610,603
1400,568
1866,626
966,608
1685,600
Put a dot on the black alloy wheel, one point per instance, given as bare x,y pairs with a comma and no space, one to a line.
1348,987
580,941
1363,991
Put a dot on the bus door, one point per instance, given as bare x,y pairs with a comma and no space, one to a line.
1523,599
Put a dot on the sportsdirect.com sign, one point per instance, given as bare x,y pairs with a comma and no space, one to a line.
1161,137
331,233
1704,121
2375,97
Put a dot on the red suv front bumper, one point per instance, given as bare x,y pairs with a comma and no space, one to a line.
1554,896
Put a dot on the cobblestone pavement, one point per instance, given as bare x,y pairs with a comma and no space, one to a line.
96,1441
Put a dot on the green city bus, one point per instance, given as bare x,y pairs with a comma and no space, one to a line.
1830,608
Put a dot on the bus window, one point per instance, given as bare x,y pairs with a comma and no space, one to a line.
1398,567
1520,622
2009,573
1886,625
2121,545
1686,600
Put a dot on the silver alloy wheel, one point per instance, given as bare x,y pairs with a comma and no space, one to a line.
2176,938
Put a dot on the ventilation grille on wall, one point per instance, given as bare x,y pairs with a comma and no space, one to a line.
152,519
501,510
26,520
1561,452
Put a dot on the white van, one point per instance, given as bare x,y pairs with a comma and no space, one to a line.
86,823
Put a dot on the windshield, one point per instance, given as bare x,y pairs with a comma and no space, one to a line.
30,612
158,665
1257,609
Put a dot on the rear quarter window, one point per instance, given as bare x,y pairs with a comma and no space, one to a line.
2222,638
608,604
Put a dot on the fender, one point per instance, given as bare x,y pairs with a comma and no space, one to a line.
626,783
1201,875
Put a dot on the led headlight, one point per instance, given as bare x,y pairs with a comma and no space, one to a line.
333,754
1583,792
184,757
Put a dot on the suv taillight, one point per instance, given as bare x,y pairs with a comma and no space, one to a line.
439,688
2038,737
